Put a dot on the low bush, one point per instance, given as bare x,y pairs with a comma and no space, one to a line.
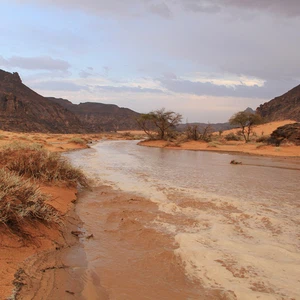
213,145
21,199
40,164
263,139
232,137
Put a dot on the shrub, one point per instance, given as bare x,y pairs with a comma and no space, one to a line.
40,164
77,140
263,139
212,145
21,199
232,137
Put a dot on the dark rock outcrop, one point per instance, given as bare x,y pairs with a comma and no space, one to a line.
23,110
97,117
287,133
284,107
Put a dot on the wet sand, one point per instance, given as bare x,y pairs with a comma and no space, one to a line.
128,256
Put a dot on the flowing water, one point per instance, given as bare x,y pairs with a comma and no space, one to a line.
188,224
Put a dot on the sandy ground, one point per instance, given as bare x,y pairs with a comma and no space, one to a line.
15,251
56,142
252,148
264,129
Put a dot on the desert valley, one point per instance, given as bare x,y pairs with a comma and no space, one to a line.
150,150
160,231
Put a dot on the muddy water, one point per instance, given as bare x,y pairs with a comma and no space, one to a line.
174,224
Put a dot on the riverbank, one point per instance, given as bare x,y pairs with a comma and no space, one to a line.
42,246
229,147
220,144
39,245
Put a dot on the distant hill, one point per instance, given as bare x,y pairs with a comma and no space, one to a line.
284,107
23,110
96,117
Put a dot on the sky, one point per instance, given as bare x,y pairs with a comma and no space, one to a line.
203,59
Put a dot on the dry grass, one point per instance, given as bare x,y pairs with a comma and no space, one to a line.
34,162
78,140
21,199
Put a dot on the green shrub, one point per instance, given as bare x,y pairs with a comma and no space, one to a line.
40,164
21,199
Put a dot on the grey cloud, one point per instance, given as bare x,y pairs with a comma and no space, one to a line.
160,9
163,8
132,8
269,90
201,7
58,86
128,89
287,8
35,63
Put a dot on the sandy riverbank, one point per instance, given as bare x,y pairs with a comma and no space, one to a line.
252,148
231,147
21,256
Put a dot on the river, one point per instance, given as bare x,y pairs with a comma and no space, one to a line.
171,224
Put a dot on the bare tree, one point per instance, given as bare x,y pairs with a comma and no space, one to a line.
192,132
245,121
160,121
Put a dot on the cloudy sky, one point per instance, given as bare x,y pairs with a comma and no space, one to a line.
203,59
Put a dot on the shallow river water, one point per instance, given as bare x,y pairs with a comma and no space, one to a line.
188,224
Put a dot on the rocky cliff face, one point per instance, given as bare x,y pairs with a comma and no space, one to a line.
284,107
23,110
97,117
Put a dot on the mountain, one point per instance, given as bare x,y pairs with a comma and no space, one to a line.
249,110
96,117
284,107
23,110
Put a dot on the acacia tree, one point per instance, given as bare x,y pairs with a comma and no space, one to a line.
159,121
246,121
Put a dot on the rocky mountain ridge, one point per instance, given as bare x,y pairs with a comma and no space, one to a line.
98,117
285,107
23,110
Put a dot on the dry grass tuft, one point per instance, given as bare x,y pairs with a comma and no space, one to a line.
21,199
34,162
78,140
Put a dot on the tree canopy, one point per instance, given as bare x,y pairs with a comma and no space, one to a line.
246,121
160,121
